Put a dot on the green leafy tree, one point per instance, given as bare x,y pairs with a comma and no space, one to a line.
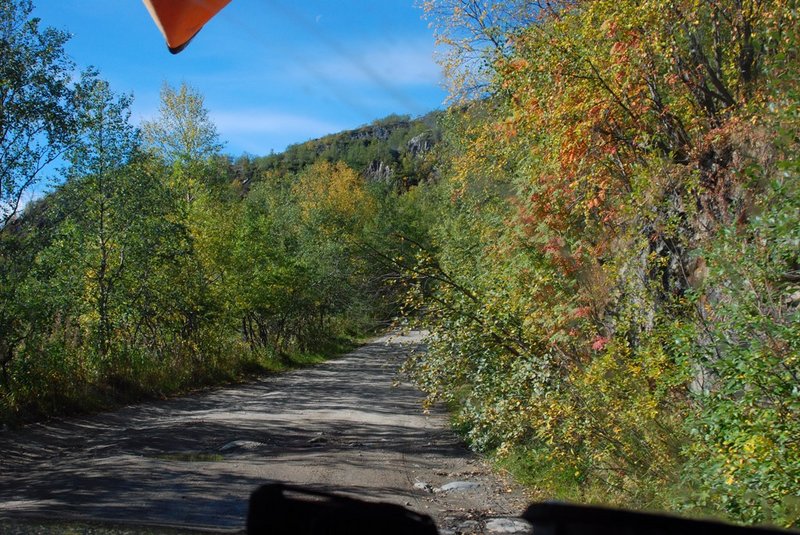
334,209
474,34
186,139
268,278
36,115
36,126
183,131
98,180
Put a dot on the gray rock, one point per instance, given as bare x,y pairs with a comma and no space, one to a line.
420,144
421,485
469,527
241,445
378,171
513,526
319,439
458,486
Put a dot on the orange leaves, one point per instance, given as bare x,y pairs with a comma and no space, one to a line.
554,245
603,137
597,200
519,64
610,27
507,128
571,155
619,50
581,312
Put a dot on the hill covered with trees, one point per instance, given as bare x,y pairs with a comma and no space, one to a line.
389,150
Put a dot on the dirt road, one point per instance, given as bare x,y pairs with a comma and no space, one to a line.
340,427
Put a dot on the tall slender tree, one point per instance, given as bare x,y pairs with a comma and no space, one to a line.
185,138
36,126
98,173
183,131
36,114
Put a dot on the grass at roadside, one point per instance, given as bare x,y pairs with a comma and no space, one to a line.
544,476
41,527
142,380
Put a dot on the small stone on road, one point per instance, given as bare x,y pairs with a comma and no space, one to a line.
458,486
511,526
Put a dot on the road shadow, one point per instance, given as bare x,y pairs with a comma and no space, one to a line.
344,419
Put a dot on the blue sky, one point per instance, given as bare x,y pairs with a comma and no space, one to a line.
273,72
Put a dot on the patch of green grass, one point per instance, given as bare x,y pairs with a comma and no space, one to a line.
554,478
331,349
47,527
546,477
191,457
151,381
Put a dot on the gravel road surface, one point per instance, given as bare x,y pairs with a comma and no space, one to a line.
345,426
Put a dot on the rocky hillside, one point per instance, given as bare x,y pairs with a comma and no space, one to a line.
391,150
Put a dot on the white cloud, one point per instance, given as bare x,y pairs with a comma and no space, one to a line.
398,65
270,122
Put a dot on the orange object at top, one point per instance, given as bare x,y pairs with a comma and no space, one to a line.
180,20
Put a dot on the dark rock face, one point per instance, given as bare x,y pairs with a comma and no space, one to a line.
378,171
381,132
